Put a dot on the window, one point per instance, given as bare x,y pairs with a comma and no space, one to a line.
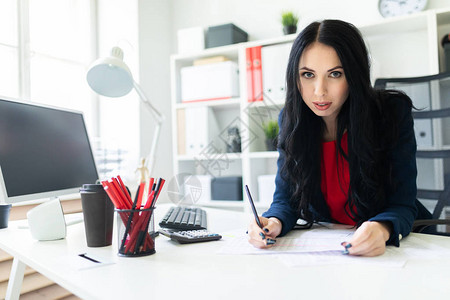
60,51
9,62
45,57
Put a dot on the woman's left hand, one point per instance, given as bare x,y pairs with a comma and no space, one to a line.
369,239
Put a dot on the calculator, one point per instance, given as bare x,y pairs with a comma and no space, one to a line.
190,236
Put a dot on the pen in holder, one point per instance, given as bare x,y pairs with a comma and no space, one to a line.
136,232
135,224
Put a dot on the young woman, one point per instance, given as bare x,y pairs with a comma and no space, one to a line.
347,151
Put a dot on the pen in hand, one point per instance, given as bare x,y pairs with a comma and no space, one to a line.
255,214
252,205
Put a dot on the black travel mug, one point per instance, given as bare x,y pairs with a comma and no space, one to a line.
4,215
98,213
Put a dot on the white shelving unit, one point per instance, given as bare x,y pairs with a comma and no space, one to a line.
404,46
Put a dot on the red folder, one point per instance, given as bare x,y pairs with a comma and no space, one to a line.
257,74
249,66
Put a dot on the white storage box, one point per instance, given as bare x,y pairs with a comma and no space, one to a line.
210,82
266,188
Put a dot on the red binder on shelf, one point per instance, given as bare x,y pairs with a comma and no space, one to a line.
257,74
249,66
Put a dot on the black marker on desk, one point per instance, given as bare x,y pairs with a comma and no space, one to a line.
83,255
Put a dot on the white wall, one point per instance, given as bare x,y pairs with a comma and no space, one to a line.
159,21
155,47
261,18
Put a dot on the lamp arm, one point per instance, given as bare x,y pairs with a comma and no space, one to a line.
151,156
158,116
159,120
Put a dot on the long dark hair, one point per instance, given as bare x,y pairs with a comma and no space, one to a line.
363,116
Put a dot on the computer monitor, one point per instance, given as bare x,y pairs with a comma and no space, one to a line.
44,152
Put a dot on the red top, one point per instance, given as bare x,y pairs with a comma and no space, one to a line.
335,185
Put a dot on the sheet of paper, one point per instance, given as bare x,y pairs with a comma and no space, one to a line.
83,261
317,239
391,258
410,248
322,246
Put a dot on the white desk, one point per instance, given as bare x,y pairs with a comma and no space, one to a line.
195,271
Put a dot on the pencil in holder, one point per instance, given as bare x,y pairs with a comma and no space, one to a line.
136,232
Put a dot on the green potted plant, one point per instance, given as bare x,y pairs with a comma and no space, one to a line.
289,20
271,130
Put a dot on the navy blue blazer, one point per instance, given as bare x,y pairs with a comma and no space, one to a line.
402,206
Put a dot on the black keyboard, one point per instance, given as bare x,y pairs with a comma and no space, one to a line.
184,218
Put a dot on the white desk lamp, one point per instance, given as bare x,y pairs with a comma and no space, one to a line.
111,77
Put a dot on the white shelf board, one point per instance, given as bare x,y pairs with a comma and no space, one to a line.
396,25
225,103
430,148
272,41
199,157
265,103
263,154
230,51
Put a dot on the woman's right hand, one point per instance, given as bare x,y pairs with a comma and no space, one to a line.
265,237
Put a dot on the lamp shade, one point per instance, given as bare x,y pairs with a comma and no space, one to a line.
110,76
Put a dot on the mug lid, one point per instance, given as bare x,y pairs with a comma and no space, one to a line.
92,188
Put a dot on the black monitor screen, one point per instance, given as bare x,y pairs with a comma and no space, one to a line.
43,149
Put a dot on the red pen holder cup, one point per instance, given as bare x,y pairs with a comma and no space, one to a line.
136,232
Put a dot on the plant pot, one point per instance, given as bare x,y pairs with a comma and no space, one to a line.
289,29
271,144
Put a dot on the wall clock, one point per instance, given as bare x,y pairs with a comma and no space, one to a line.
391,8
